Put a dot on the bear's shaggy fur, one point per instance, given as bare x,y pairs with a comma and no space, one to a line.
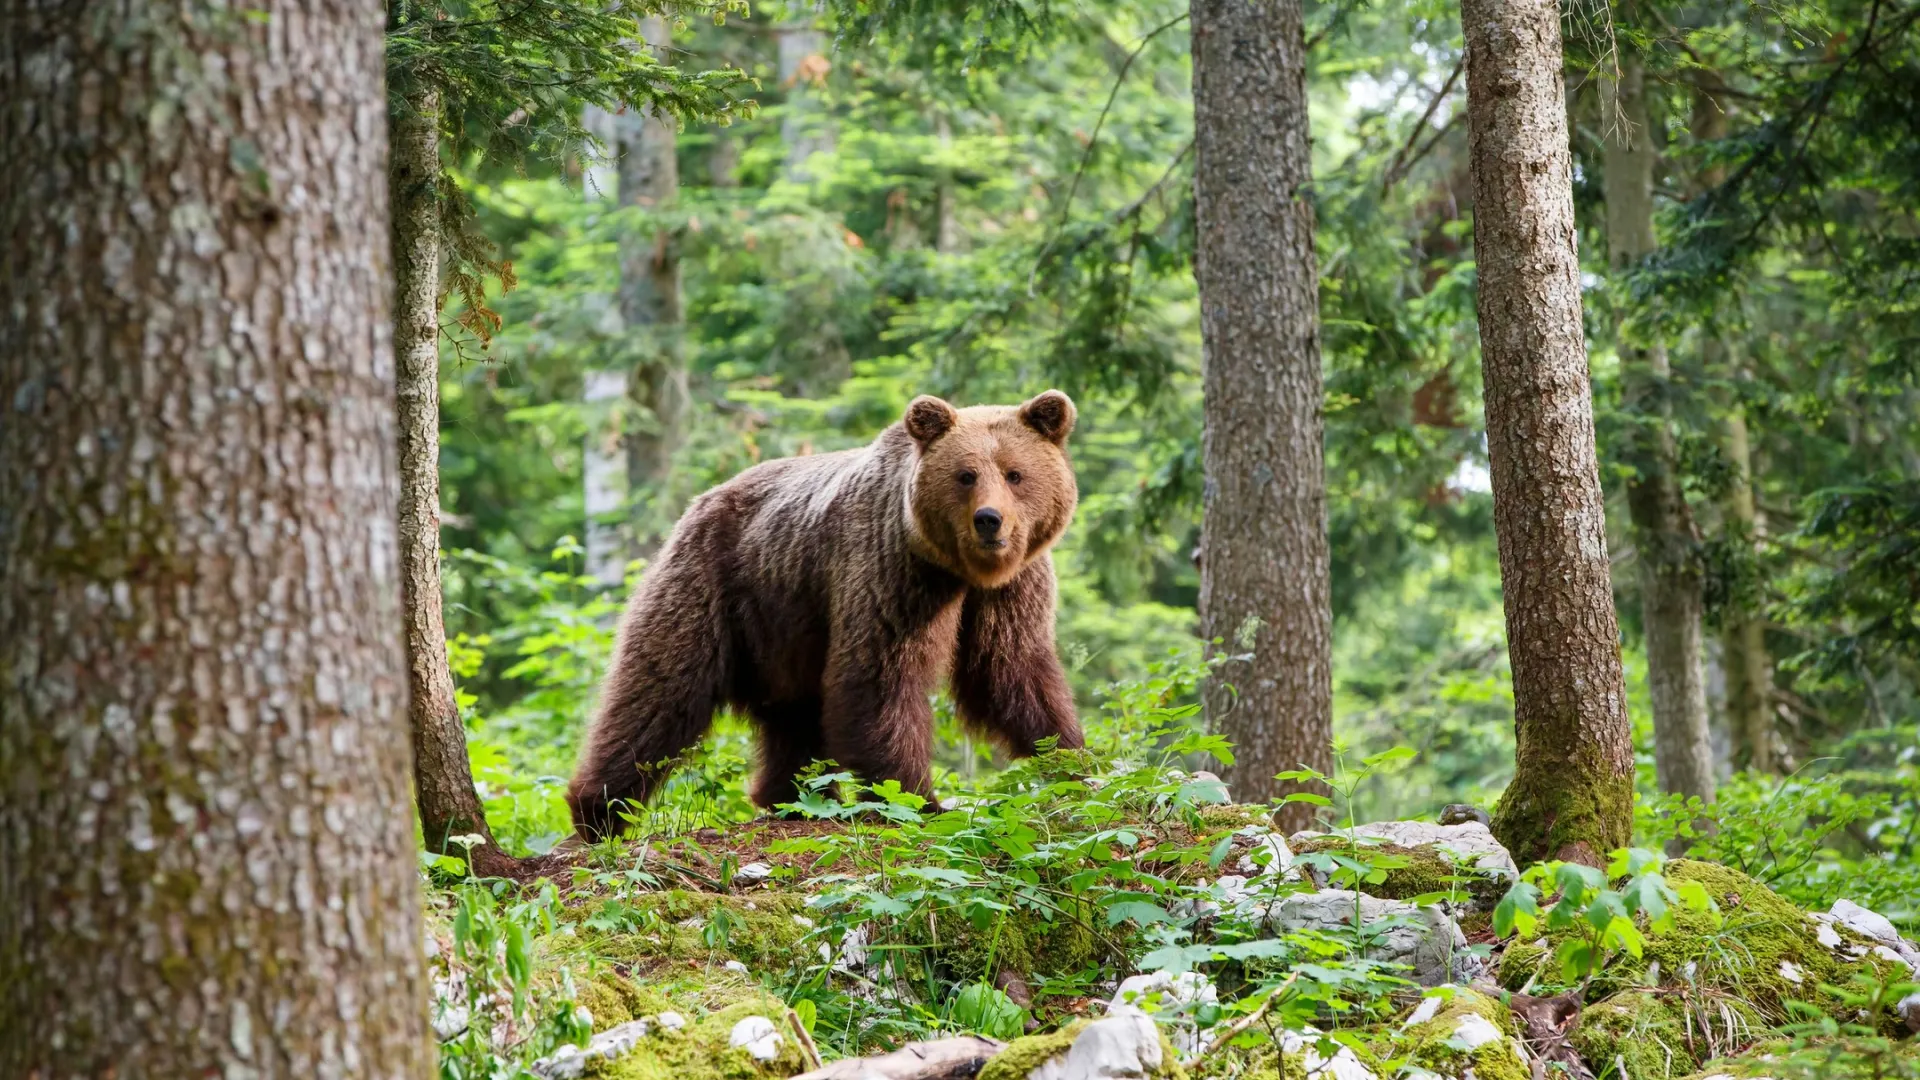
824,596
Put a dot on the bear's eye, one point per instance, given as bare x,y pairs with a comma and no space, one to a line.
1013,477
967,478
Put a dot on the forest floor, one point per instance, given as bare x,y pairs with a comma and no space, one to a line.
1059,911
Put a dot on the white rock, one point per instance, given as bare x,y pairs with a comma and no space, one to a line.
1864,921
1475,1031
803,921
570,1061
853,948
672,1021
1790,971
736,966
1467,844
1173,1000
1885,953
1343,1065
1909,1010
1827,935
752,873
1425,940
1421,1015
1278,856
1119,1047
758,1036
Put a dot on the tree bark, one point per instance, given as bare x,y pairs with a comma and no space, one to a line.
442,775
650,303
1664,538
206,865
1572,792
1743,632
1264,576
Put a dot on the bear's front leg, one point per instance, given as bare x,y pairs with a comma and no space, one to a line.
1007,677
876,716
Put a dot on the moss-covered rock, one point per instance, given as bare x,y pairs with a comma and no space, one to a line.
1522,961
1023,1055
1660,1035
700,1050
1467,1032
1025,943
1853,1058
763,930
1424,871
1758,948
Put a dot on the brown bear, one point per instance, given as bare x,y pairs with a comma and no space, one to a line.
824,596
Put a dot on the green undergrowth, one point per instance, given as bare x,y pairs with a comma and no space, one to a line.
1409,872
1747,945
1658,1034
1438,1044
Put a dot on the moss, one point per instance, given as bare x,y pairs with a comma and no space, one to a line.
1521,962
1431,1044
609,999
1027,944
1655,1035
1757,932
700,1051
1566,806
1848,1058
1234,816
671,925
1025,1054
1427,871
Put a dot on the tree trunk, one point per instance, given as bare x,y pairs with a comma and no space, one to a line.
206,866
1572,792
442,775
1264,570
650,305
803,68
1662,526
1743,632
946,234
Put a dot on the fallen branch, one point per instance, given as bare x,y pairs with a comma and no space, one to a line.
806,1040
1242,1024
941,1059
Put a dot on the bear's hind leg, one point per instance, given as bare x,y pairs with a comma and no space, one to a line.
789,738
659,697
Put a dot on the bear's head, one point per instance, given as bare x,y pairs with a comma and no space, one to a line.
993,488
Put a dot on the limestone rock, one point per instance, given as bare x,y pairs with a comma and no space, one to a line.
1173,1000
1468,844
1424,939
615,1042
757,1036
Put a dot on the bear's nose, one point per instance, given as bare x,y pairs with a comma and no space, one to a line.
986,522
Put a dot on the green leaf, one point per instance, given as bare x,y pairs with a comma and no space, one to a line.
1139,911
1576,958
1518,911
807,1011
1308,797
1389,757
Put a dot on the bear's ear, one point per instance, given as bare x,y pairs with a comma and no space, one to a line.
928,418
1051,414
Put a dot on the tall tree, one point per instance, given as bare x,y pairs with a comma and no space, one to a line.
1264,576
203,750
1743,643
443,778
1572,792
1665,541
803,68
650,299
470,76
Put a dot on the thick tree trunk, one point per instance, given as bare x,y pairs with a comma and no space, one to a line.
206,864
1662,525
650,306
1264,571
1743,632
1572,792
442,775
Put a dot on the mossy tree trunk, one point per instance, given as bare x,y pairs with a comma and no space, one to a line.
209,869
1572,792
1264,572
443,777
1664,538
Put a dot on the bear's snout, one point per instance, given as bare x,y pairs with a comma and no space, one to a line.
986,523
